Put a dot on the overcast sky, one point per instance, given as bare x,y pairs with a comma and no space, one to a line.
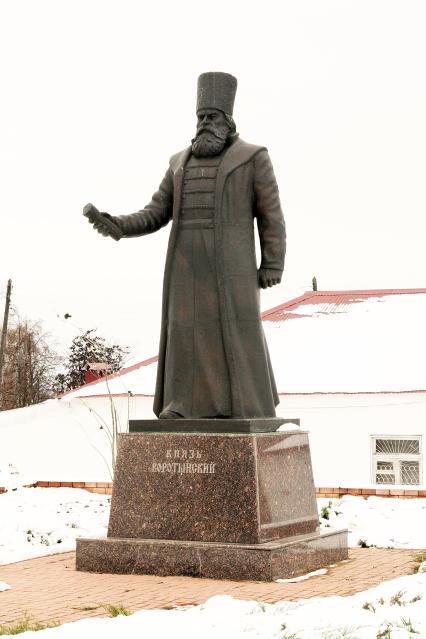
96,96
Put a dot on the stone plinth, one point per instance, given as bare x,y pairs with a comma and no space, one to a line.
218,504
235,488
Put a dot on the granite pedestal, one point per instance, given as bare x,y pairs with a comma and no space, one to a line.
217,504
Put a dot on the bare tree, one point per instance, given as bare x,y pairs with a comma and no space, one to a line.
30,365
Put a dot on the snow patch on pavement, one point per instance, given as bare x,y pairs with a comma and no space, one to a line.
293,580
4,586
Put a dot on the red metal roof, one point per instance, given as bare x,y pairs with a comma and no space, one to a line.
330,300
122,371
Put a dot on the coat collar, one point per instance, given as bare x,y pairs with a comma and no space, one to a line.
237,153
178,161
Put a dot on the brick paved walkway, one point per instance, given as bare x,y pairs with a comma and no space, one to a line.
49,588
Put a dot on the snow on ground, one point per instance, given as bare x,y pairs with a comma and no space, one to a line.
378,521
11,477
394,610
41,521
44,521
4,586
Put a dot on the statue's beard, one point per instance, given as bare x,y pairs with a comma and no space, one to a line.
210,141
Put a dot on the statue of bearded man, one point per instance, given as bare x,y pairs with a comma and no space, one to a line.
213,359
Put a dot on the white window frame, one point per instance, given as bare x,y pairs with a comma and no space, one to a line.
395,458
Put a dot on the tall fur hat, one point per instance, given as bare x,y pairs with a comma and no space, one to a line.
216,90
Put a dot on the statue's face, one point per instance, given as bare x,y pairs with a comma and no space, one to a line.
208,119
212,133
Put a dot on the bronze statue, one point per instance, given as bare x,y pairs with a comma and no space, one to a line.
213,359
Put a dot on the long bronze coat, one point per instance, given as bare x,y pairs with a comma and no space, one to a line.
245,189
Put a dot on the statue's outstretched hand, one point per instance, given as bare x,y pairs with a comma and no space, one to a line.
102,222
269,277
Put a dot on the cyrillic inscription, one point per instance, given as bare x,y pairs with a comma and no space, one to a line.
177,467
183,467
183,453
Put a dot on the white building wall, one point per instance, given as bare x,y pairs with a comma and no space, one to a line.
340,429
63,440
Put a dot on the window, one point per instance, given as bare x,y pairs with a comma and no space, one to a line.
397,459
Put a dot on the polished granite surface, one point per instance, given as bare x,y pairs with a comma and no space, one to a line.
260,562
236,488
224,505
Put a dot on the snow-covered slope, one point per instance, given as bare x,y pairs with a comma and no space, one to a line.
55,440
45,521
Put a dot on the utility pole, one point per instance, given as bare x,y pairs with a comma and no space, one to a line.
4,332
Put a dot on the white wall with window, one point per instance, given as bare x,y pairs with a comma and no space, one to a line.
357,440
396,459
363,439
349,434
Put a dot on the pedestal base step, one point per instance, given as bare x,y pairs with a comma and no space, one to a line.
283,558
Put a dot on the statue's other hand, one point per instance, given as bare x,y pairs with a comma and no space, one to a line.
269,277
104,223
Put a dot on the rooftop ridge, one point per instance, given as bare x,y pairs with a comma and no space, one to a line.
316,295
